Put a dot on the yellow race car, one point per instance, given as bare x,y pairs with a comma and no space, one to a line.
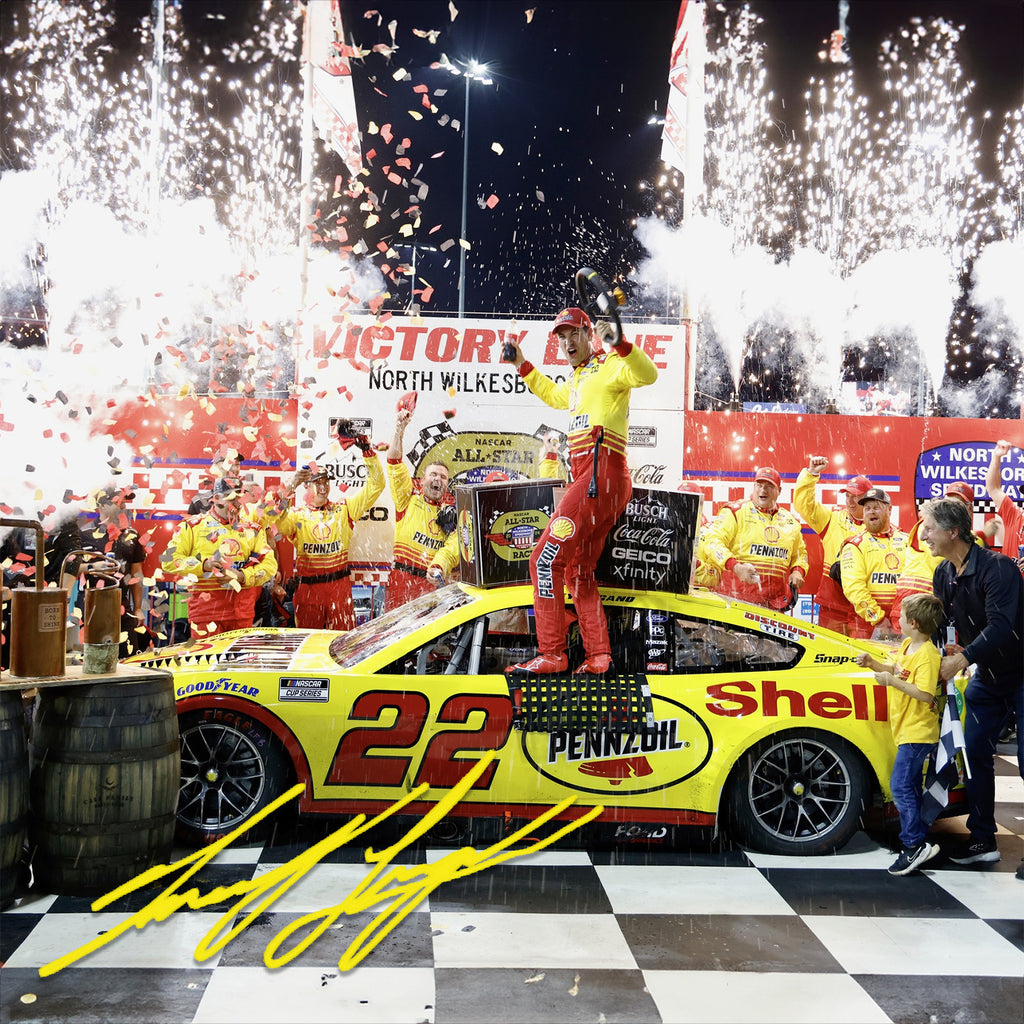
716,711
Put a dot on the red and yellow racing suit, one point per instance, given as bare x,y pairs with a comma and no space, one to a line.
833,526
420,544
871,564
321,537
771,541
597,397
217,605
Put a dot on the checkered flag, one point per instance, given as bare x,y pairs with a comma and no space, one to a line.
943,774
429,437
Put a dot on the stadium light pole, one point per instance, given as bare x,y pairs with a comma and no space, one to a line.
472,71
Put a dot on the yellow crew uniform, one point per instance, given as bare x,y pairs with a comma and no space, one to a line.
770,541
420,543
321,538
870,565
833,526
216,605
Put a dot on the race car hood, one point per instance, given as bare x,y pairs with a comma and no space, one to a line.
273,650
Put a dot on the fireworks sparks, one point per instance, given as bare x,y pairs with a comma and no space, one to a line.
850,238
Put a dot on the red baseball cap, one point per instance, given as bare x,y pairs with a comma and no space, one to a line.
856,486
768,475
571,317
963,491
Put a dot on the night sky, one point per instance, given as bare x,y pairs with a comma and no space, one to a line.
575,85
574,88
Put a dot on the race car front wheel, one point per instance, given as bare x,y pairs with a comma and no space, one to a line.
799,793
231,768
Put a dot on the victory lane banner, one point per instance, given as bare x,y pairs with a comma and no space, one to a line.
473,412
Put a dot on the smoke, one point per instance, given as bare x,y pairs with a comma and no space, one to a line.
22,198
906,293
171,306
906,296
996,290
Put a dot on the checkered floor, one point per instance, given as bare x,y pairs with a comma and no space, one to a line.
708,934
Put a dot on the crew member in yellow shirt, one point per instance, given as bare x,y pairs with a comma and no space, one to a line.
833,526
226,557
321,533
871,562
426,546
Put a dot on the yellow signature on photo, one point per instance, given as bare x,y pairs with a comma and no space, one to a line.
400,889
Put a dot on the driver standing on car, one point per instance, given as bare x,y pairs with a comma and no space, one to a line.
227,558
597,396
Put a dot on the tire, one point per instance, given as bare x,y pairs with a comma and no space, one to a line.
799,793
231,768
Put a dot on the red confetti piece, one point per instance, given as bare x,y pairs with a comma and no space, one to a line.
492,201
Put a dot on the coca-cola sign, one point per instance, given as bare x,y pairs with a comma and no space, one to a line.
648,475
651,545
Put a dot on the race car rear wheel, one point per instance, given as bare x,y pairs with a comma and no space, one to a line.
798,793
230,770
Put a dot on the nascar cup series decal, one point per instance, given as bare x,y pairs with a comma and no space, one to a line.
678,747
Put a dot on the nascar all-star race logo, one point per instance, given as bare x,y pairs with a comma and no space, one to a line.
512,535
608,763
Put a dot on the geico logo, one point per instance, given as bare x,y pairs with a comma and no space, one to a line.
740,697
636,555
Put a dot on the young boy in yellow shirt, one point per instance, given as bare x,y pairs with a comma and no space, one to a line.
913,681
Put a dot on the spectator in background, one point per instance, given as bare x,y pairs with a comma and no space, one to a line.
425,538
834,526
550,467
870,564
758,547
1013,538
226,557
982,593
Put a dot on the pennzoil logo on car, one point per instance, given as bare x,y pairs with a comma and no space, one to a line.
619,763
303,688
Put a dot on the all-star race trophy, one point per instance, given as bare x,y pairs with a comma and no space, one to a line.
597,398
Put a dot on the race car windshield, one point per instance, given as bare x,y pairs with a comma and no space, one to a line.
374,636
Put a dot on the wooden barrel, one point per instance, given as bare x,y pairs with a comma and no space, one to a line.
13,791
104,783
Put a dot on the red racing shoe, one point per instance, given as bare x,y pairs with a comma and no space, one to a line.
542,665
595,665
